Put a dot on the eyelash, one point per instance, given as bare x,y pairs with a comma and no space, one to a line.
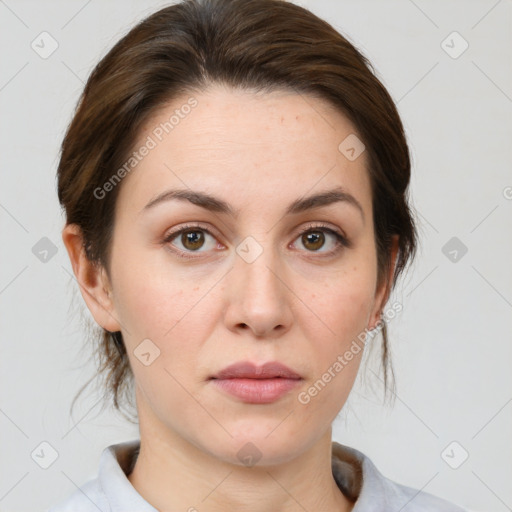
343,242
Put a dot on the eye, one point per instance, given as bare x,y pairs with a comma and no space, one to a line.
192,239
315,237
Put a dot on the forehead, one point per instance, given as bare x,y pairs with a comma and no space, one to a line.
237,143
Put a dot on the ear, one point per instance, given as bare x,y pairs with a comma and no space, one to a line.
384,290
92,279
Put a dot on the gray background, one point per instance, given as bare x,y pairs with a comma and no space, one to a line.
451,344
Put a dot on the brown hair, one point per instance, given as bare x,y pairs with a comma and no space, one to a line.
262,45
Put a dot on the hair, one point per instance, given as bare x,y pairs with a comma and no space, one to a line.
257,45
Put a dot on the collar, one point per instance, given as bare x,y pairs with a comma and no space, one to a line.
355,474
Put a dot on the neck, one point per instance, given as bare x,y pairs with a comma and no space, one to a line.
171,473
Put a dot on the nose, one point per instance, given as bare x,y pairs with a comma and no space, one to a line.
259,296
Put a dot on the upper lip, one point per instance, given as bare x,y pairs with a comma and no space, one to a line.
248,370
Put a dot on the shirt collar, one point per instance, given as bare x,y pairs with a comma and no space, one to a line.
358,478
115,463
355,474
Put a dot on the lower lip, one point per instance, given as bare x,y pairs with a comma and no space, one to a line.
257,391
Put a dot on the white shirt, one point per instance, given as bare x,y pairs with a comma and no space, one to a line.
354,472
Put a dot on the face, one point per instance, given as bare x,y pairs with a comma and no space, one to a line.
258,274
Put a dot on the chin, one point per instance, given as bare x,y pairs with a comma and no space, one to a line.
259,446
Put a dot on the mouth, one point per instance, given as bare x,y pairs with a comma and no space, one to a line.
256,384
256,391
248,370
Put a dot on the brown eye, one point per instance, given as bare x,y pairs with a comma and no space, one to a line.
322,240
313,240
189,240
192,240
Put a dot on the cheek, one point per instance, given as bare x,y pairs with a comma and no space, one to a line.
344,304
142,304
154,304
343,308
173,310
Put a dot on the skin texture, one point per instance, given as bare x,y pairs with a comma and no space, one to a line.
295,303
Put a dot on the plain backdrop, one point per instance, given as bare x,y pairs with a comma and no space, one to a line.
448,431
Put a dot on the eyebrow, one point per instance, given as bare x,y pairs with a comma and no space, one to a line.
214,204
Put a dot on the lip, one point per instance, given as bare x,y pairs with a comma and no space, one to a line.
248,370
257,391
257,384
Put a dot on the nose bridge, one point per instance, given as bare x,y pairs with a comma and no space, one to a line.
260,298
256,266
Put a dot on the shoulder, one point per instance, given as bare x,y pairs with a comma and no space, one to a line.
354,470
416,500
88,498
111,489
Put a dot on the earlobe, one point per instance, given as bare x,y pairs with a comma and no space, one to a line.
92,280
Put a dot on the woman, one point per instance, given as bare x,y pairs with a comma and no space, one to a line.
235,185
